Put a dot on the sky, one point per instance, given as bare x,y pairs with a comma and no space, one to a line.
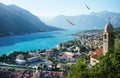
65,7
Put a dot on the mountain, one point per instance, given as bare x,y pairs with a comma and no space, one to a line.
90,21
15,20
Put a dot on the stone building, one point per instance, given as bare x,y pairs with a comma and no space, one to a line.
108,38
108,44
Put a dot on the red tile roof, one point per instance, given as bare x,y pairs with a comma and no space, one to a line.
99,51
96,53
95,56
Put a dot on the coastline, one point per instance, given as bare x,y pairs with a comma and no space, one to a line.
49,40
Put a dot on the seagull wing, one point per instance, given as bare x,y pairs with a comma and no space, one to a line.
87,7
70,22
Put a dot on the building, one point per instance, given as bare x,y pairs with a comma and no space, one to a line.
20,59
49,53
67,56
34,54
33,59
94,56
20,56
108,44
108,38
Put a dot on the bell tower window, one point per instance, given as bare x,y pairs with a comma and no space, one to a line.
105,36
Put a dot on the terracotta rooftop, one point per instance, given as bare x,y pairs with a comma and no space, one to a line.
49,50
99,51
95,56
96,53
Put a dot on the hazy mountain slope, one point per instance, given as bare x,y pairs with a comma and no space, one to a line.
15,20
91,21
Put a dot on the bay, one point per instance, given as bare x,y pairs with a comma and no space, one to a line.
41,40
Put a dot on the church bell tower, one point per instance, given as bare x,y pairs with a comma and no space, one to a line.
108,38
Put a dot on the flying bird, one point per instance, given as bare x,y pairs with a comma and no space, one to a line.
70,22
87,7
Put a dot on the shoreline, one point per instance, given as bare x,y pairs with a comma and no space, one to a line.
69,35
38,36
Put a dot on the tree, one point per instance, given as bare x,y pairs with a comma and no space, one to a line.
27,66
82,48
64,49
12,69
108,67
40,65
54,62
78,70
117,45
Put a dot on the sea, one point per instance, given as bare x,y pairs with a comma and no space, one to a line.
35,41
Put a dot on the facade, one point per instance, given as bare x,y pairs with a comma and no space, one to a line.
33,59
108,38
95,55
49,53
108,44
20,59
20,56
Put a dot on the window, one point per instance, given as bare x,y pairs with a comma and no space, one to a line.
105,36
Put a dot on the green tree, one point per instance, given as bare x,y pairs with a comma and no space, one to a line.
27,66
12,69
54,62
40,65
117,45
108,67
78,70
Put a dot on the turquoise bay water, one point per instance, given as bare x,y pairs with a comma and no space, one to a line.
42,40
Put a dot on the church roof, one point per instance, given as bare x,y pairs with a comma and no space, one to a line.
96,53
108,27
95,56
99,51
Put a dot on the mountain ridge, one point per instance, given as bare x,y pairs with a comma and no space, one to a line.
15,20
94,20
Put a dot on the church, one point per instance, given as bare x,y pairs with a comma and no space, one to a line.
108,44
